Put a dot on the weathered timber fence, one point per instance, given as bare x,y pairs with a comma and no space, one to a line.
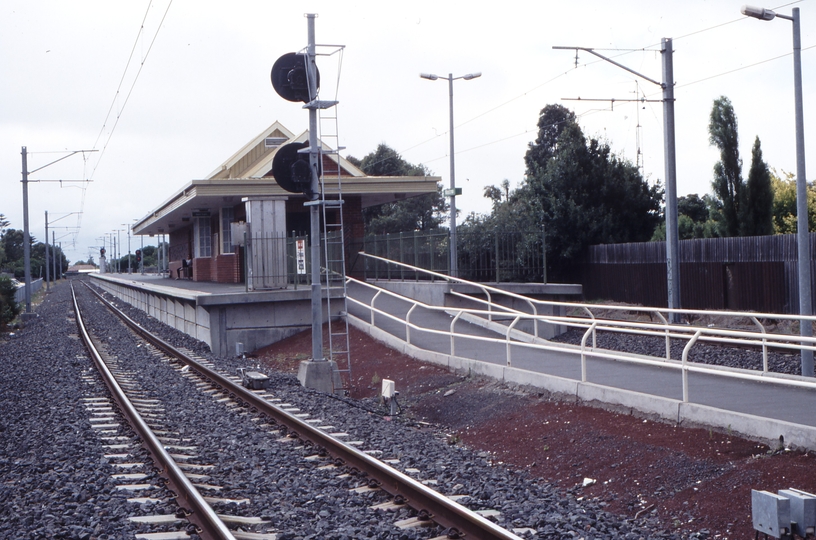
750,273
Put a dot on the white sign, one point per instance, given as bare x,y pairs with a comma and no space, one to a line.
301,256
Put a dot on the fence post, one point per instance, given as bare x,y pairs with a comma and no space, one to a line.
416,255
496,237
431,247
543,254
401,256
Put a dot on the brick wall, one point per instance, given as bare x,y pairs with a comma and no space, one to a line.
201,269
353,218
226,268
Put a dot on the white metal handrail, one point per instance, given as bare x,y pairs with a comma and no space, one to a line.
692,334
658,312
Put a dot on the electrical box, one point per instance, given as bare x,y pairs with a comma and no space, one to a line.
802,511
238,231
255,380
771,513
388,389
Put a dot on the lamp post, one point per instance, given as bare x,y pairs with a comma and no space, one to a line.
802,231
128,231
452,192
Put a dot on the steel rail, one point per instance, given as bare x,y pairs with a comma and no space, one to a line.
427,502
200,513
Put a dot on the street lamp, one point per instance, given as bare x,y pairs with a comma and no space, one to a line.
452,192
802,231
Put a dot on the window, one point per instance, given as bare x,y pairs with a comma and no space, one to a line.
203,237
227,217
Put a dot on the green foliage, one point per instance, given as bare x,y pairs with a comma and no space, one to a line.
693,207
422,213
12,253
696,218
746,208
9,309
584,194
759,197
552,120
727,183
784,203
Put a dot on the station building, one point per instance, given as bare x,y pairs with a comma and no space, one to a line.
205,220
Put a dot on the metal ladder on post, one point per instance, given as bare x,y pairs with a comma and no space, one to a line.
333,271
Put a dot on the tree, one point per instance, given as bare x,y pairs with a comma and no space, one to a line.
9,308
784,203
727,183
584,194
552,120
759,197
13,244
694,207
696,218
422,213
494,194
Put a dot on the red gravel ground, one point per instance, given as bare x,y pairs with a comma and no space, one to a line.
690,478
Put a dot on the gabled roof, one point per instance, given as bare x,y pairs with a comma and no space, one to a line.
254,160
248,173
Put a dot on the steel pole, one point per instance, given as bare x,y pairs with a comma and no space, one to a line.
26,236
47,267
802,228
454,266
314,213
54,256
670,161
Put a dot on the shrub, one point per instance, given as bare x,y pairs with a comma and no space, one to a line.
9,308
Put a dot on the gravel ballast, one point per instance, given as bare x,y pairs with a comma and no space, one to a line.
535,508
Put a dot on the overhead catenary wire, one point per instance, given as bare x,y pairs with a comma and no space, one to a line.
623,52
132,86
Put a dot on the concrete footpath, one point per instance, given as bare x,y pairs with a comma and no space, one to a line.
764,410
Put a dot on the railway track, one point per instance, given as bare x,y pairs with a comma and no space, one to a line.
177,464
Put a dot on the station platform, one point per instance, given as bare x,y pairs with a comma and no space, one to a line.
226,317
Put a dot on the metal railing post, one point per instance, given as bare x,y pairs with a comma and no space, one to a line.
668,339
453,333
590,330
686,349
507,337
408,324
372,306
764,345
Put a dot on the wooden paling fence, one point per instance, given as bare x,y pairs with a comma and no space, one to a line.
757,273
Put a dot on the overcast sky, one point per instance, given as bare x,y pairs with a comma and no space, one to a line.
197,89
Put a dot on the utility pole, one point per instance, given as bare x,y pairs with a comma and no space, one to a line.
26,235
128,236
670,164
47,274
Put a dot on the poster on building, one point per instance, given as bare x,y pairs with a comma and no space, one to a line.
301,256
